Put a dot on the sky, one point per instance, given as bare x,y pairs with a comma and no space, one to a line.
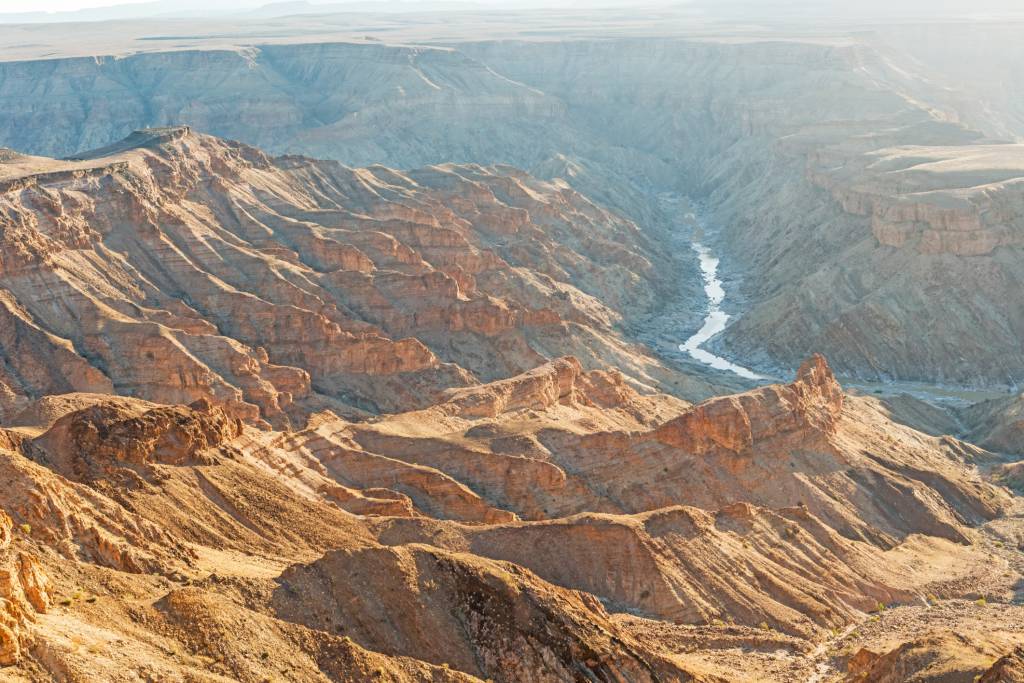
927,7
72,5
52,5
214,6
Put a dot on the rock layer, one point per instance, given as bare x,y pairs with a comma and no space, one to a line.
194,268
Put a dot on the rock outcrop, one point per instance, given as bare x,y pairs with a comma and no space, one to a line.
25,591
103,438
931,657
194,268
494,620
810,405
997,424
1007,669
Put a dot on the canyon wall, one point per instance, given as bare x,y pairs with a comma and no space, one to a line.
174,267
846,196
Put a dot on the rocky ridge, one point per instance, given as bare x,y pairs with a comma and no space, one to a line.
443,541
414,282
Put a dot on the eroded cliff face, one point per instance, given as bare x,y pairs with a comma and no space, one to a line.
25,592
191,268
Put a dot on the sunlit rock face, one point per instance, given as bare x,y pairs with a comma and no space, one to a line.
192,268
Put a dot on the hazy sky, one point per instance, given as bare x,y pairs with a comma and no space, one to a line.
13,6
53,5
70,5
817,7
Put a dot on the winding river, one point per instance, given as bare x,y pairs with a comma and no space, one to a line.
715,319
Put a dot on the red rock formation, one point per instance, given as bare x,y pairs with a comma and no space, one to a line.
811,404
191,267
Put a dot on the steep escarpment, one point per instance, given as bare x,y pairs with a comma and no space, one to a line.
193,268
843,202
295,98
889,227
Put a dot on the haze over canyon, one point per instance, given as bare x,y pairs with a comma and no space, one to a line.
351,343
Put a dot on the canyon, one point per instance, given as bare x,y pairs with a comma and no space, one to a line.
777,138
581,352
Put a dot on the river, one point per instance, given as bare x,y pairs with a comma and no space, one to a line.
715,319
